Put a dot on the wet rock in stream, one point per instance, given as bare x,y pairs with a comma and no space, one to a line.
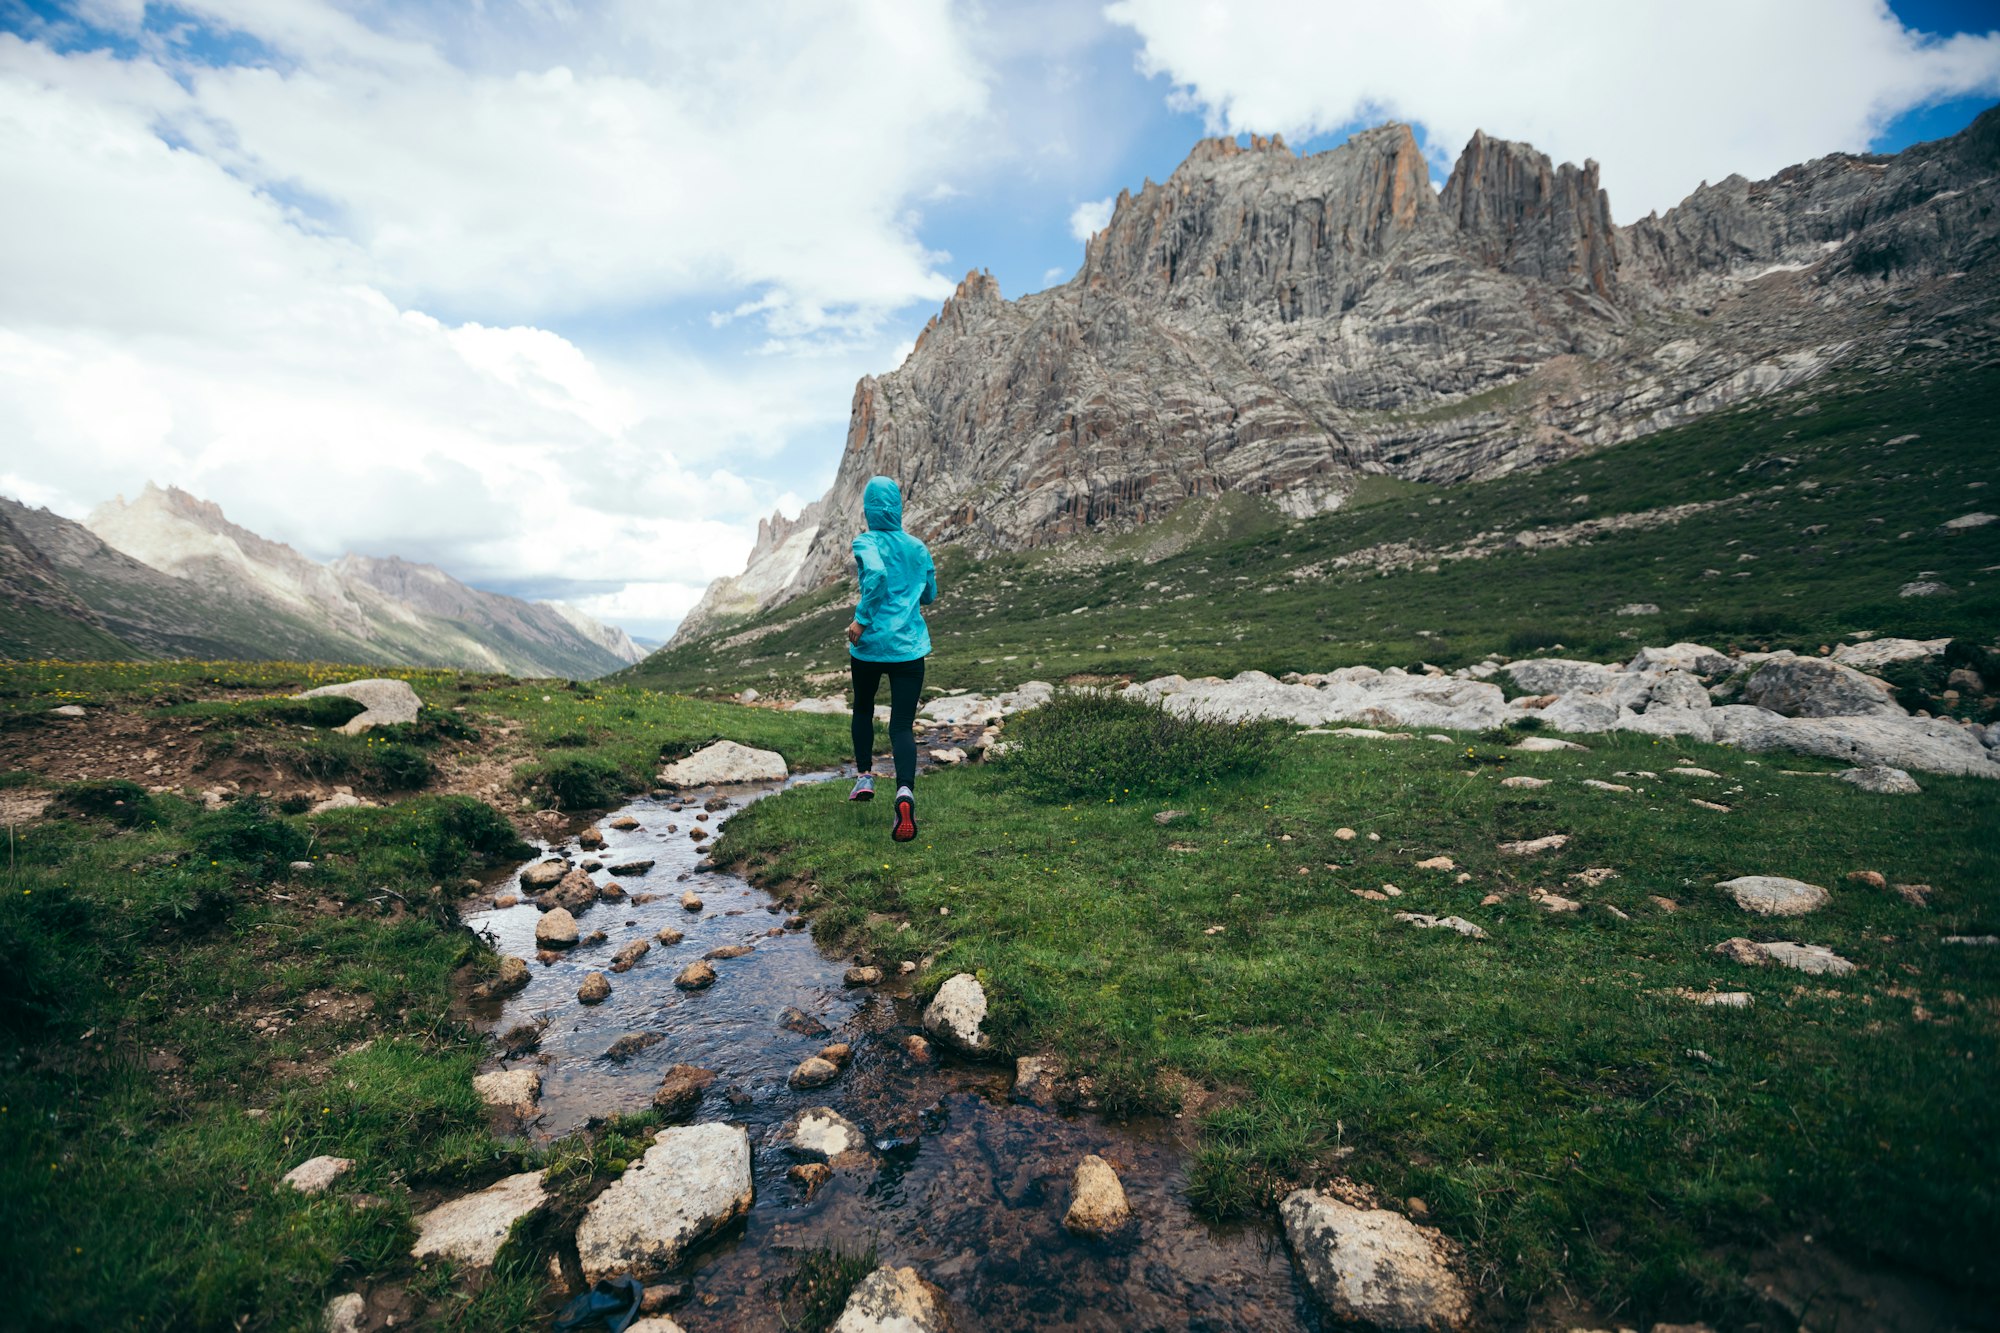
556,930
631,1044
596,989
628,955
697,975
680,1093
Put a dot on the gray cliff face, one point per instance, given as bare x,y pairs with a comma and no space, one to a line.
1279,326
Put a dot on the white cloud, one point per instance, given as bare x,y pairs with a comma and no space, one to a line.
320,290
1663,96
1091,217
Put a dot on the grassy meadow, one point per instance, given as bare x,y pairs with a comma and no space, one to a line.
1547,1094
184,1017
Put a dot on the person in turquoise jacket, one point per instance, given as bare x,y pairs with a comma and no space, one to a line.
888,637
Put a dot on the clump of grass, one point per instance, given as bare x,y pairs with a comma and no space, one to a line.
1922,684
813,1294
1086,743
123,803
247,833
326,710
577,782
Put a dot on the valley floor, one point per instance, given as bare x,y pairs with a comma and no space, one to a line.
209,984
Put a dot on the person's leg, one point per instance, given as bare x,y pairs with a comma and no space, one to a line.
906,688
867,678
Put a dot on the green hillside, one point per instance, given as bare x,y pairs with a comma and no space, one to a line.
1787,522
31,633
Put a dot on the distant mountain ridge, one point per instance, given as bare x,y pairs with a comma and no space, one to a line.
1282,326
170,575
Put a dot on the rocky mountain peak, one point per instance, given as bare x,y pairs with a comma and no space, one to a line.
1279,325
1523,215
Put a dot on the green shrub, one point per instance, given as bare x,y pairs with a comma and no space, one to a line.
400,767
579,782
326,710
123,803
1524,641
248,833
1090,744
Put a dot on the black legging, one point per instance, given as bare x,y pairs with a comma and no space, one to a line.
906,684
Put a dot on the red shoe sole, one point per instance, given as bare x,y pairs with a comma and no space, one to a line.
906,820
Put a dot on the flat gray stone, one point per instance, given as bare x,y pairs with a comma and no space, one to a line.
820,1132
692,1181
1774,895
1375,1268
384,703
1881,779
471,1230
725,762
315,1175
891,1300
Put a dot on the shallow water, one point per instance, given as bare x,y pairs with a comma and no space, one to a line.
966,1187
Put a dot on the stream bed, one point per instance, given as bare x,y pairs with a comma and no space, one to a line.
967,1186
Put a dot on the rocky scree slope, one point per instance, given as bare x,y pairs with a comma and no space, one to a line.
169,574
1282,325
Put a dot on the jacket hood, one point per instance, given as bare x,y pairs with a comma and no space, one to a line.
882,502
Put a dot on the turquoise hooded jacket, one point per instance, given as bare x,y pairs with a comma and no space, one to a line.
897,577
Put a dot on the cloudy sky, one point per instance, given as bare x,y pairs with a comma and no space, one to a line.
563,296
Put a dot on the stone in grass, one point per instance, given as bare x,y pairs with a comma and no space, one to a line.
1714,999
1601,785
956,1013
1425,921
1774,895
1814,959
655,1323
1554,902
344,1313
821,1133
1881,779
556,929
1554,842
470,1231
681,1091
511,1090
1523,780
384,703
1594,876
1374,1268
691,1182
1097,1205
316,1174
1437,863
1545,745
596,988
892,1300
697,975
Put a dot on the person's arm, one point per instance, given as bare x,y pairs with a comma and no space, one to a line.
874,581
930,583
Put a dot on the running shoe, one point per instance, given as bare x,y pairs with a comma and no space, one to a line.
864,788
904,829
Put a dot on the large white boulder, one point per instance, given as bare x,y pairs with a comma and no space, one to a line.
725,762
692,1181
1878,653
1691,657
471,1230
1928,744
1559,675
1814,687
385,702
891,1300
1374,1268
956,1012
